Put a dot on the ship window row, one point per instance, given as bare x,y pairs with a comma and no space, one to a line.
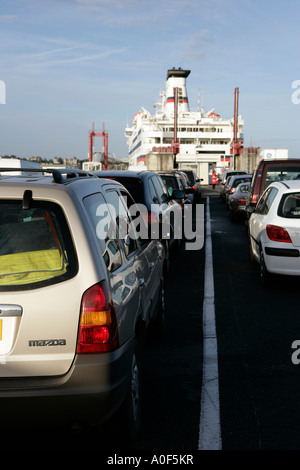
167,140
194,129
183,141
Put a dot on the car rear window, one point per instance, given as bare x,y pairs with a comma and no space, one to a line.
241,180
190,176
134,186
170,182
35,246
289,206
282,173
244,188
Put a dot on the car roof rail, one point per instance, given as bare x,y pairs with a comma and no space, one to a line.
63,175
60,175
31,170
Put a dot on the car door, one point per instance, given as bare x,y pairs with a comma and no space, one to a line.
133,268
169,209
150,261
122,270
257,222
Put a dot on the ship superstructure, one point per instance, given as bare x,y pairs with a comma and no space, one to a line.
204,137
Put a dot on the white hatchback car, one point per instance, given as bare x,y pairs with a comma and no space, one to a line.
274,230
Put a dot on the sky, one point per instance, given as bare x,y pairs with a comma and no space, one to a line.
65,64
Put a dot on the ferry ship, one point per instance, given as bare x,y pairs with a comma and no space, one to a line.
204,137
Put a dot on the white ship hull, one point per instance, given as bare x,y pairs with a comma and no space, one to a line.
204,138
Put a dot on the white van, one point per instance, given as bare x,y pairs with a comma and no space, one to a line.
7,163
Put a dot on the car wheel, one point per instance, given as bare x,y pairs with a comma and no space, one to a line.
264,273
126,424
251,254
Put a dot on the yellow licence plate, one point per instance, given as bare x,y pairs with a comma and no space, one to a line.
0,329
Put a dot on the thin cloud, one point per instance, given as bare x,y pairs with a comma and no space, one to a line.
79,59
57,51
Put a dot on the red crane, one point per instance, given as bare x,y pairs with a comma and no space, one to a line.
175,141
236,145
93,134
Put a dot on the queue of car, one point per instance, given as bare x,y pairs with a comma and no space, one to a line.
80,287
270,207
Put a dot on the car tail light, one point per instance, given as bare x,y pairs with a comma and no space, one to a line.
150,218
253,199
241,201
98,331
278,234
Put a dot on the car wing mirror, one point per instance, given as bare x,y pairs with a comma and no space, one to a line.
164,198
178,194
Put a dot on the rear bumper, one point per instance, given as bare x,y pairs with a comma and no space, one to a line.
282,261
91,391
238,209
285,252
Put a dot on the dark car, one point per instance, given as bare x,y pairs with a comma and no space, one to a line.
194,182
175,188
226,177
233,183
232,173
185,182
148,189
224,188
237,202
269,171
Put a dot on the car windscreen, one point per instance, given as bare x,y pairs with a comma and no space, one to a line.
36,248
289,206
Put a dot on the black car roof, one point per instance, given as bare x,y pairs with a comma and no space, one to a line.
124,173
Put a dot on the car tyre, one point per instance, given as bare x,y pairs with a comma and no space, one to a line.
251,254
264,273
125,425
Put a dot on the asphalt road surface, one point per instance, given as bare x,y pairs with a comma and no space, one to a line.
259,384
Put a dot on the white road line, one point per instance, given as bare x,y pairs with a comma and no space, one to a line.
210,428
